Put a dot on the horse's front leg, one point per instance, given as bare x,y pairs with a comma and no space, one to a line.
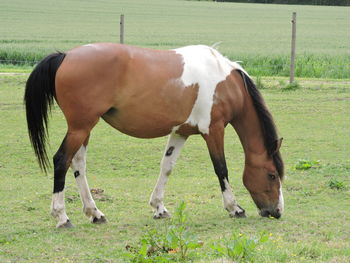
172,152
215,143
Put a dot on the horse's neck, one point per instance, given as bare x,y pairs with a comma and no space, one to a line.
248,128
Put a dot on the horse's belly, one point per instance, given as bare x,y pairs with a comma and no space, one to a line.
141,125
151,112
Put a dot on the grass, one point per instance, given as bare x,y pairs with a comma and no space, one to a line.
306,164
259,35
314,121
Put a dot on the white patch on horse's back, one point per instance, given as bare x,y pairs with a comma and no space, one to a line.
206,67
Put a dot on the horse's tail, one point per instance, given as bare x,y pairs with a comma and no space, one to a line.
39,98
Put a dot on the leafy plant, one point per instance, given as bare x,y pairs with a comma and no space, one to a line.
239,247
179,236
335,184
303,164
172,244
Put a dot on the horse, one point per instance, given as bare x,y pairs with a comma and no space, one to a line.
148,93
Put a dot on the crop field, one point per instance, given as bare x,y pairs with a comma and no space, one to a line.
314,121
257,34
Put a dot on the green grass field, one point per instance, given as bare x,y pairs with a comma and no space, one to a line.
314,121
259,35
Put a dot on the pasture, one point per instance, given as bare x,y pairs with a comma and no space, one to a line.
259,35
314,121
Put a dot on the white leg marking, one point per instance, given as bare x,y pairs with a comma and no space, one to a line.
79,168
172,152
230,203
58,209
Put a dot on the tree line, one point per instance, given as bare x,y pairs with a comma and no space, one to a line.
295,2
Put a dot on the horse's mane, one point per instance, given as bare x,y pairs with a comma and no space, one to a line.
268,127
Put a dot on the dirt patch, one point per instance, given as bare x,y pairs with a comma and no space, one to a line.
98,194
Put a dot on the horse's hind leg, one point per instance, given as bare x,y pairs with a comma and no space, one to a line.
79,168
215,143
62,160
172,152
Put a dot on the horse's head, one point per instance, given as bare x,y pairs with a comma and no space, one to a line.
263,179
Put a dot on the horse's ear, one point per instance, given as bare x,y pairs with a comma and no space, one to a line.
277,145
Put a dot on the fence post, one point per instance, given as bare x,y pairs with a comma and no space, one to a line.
292,56
121,29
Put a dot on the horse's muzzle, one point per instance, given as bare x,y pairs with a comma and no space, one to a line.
275,213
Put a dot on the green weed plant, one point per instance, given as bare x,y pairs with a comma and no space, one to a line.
240,247
175,243
335,184
304,164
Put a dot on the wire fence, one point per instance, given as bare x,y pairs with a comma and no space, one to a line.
284,66
333,71
345,66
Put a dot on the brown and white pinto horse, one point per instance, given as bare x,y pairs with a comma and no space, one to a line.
151,93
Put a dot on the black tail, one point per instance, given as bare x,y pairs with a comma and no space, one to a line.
38,98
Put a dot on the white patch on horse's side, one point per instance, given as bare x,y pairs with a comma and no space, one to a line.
280,205
206,67
175,142
58,208
79,164
88,45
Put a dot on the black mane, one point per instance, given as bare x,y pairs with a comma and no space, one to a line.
268,127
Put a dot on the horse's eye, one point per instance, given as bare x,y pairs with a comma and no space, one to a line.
272,176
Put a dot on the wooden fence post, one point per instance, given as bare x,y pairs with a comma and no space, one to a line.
121,29
292,56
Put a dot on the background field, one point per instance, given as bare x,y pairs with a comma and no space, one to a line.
313,120
257,34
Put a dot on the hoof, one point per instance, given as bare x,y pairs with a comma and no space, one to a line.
238,214
68,224
165,214
101,220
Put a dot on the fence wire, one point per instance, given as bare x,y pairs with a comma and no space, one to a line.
244,63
